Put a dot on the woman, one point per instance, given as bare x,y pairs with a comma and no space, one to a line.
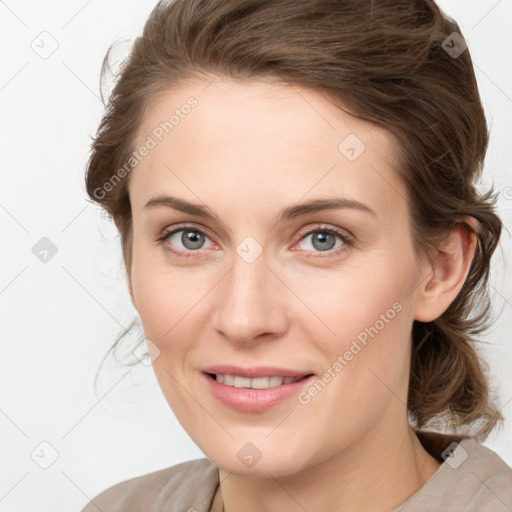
241,137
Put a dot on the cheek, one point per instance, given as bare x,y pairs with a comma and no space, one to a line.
369,315
358,302
169,301
366,368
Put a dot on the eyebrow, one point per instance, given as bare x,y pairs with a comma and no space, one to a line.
290,212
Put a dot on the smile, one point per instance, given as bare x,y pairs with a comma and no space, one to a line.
256,383
256,394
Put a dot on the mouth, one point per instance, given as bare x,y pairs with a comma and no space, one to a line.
264,382
257,394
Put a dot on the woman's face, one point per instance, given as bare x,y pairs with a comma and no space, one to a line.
264,278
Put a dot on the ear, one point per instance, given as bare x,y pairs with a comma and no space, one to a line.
448,272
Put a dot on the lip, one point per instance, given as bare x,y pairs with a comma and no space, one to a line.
254,372
254,400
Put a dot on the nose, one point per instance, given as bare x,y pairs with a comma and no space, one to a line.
250,302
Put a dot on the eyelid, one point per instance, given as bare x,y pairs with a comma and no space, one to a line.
347,238
184,226
342,233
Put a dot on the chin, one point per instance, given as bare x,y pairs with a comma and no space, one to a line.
258,459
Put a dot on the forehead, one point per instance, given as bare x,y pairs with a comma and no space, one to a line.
265,141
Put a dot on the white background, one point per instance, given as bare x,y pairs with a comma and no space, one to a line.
59,317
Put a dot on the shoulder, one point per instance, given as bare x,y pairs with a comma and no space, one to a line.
189,486
487,475
471,478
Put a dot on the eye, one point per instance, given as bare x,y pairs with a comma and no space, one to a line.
187,240
325,240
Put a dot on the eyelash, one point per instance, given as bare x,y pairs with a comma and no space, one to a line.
346,239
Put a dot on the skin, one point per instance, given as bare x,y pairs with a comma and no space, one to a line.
248,150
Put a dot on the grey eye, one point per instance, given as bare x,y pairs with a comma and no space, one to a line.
322,241
191,239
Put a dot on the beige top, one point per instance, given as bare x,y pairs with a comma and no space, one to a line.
471,478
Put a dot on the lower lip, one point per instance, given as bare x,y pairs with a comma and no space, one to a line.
254,400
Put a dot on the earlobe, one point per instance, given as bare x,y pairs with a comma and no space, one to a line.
448,271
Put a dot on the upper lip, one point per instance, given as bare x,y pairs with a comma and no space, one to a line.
256,371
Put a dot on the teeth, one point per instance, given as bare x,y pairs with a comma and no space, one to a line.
257,383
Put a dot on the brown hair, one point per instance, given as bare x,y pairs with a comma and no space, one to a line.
387,61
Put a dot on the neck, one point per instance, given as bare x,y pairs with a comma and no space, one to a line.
379,472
